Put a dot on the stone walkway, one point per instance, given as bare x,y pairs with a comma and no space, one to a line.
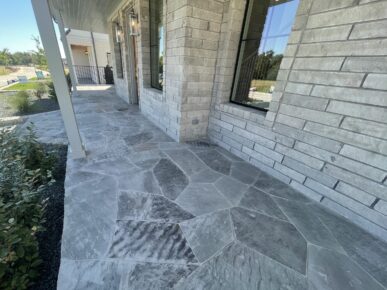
144,212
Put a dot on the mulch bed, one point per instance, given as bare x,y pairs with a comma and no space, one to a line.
37,106
50,240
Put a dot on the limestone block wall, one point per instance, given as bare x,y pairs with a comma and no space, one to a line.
120,83
161,107
193,40
192,32
326,130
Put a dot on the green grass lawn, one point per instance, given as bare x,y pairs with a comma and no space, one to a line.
23,86
36,79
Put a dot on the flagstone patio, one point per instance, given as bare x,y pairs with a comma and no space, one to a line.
145,212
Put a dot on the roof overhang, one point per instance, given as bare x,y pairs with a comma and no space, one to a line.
88,15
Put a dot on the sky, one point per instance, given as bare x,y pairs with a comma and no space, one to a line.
278,26
17,25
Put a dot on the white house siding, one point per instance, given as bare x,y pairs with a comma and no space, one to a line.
79,55
78,38
325,132
102,48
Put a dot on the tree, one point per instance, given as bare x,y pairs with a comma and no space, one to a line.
22,58
267,65
5,57
38,56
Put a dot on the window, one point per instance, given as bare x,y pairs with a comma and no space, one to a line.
156,43
117,50
266,30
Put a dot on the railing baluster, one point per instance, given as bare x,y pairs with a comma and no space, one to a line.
88,75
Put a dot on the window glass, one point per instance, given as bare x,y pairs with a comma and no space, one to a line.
266,30
156,43
117,53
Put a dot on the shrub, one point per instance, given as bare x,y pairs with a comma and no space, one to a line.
22,178
52,92
41,89
20,102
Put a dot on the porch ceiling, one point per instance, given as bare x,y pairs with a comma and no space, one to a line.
85,14
92,15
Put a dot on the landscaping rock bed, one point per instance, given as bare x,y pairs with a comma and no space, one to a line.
5,108
50,239
37,105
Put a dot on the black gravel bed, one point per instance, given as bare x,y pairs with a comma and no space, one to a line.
50,239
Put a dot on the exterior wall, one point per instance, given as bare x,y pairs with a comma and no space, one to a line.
83,38
120,83
102,48
192,31
81,41
161,107
79,55
326,131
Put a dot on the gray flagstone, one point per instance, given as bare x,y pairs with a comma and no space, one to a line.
144,212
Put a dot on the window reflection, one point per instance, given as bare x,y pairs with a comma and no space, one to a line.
156,43
265,35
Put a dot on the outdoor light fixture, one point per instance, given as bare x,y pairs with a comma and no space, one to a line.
119,33
108,56
133,24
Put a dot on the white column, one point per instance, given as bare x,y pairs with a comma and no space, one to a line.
51,48
67,52
95,57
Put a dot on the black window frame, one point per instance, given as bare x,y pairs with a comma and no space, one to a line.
153,80
117,48
237,62
241,39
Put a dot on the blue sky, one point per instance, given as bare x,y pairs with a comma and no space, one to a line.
17,25
278,25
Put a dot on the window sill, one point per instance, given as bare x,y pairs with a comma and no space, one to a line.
154,90
245,113
154,93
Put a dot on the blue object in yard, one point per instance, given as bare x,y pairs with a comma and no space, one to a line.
22,79
39,75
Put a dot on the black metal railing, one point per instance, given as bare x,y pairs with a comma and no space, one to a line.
90,74
246,74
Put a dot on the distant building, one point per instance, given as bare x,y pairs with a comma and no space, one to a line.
90,53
